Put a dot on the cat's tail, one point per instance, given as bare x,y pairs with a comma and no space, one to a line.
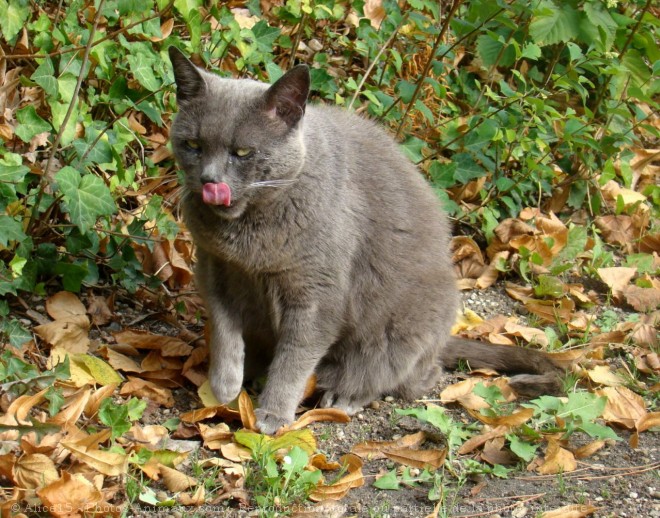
535,373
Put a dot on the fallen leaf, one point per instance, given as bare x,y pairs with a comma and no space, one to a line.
70,334
315,415
589,449
570,511
475,442
557,460
197,498
422,459
246,410
642,299
648,421
603,375
64,305
174,480
166,345
99,310
109,463
617,278
337,491
515,419
72,496
376,449
144,389
623,406
34,471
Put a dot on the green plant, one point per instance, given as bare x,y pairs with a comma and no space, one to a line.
279,486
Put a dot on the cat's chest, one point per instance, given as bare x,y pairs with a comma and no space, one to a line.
258,244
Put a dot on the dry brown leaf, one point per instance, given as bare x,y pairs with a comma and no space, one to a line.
494,453
491,273
234,452
99,310
215,436
467,258
570,511
617,230
34,471
201,414
515,419
228,466
552,226
374,12
197,498
120,361
422,459
64,305
642,299
149,435
109,463
589,449
246,409
320,461
73,408
96,398
648,421
557,460
644,335
617,278
7,463
552,310
475,442
166,345
20,408
73,496
70,333
520,293
144,389
532,335
174,480
315,415
623,406
603,374
341,487
376,449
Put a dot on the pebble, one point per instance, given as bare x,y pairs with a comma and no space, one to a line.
519,512
374,405
633,494
655,493
389,399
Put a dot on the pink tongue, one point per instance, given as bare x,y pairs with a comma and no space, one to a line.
216,194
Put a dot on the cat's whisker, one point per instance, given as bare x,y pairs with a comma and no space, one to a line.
272,183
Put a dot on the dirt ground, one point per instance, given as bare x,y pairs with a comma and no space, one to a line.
618,480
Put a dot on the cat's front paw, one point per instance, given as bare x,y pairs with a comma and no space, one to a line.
225,390
268,423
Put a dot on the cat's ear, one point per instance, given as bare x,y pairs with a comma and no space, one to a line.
189,81
286,99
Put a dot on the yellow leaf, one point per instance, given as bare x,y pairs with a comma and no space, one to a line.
102,373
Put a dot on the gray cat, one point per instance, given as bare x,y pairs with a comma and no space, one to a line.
321,249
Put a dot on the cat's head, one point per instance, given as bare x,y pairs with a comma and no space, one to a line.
239,142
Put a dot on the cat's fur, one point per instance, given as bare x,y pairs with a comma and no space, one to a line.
332,258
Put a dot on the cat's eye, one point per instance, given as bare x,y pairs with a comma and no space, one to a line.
193,144
242,152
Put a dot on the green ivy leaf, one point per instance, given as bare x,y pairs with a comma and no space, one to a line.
10,230
30,124
522,449
13,15
142,66
44,76
12,169
86,197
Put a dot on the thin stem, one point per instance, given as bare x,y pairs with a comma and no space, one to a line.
375,60
428,65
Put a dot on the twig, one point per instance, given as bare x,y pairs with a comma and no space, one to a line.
375,60
429,63
74,100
